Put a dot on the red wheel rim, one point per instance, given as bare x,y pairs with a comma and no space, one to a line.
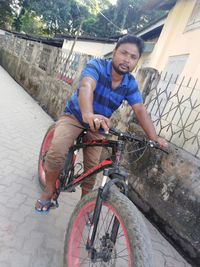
74,256
45,147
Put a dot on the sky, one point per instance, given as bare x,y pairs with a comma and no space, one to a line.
113,1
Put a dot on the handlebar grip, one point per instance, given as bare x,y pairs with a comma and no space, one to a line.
154,144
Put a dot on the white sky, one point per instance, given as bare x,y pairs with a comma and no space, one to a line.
113,2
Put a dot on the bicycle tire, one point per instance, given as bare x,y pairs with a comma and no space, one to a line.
131,222
44,148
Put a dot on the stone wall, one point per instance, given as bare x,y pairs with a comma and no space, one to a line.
42,71
166,187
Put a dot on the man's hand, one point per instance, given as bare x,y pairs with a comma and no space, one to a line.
162,142
96,121
147,125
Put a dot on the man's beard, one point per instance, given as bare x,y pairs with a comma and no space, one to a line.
120,72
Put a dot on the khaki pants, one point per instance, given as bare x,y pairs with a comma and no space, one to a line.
65,134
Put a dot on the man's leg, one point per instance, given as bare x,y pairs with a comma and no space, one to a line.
64,136
91,156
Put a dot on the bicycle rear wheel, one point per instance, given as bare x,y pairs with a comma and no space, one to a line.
132,247
43,151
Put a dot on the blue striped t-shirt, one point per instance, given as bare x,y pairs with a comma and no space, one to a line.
106,100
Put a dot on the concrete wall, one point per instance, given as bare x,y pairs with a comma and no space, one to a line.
41,70
167,189
51,94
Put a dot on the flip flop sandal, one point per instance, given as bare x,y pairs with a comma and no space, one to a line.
46,205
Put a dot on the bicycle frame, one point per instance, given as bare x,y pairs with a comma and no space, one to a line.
110,168
73,181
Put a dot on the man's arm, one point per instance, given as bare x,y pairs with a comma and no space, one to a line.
147,124
86,92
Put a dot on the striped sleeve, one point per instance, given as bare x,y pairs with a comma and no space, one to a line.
133,95
91,70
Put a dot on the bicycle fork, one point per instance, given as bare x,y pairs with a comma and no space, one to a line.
103,193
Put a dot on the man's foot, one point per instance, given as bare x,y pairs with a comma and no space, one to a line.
45,206
45,202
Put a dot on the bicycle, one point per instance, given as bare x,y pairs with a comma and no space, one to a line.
105,229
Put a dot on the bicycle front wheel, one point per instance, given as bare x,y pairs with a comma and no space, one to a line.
132,246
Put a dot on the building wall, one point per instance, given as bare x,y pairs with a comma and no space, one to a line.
175,40
177,93
89,48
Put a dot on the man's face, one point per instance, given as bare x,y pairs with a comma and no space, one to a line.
125,58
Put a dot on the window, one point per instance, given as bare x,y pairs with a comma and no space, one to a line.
194,20
172,73
174,67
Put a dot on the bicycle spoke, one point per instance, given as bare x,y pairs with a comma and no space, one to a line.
106,222
122,258
120,235
105,253
99,230
121,251
84,242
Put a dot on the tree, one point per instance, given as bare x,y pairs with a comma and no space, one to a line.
31,24
99,26
23,6
6,13
98,17
94,6
112,21
61,16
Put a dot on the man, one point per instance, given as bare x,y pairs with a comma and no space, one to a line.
102,88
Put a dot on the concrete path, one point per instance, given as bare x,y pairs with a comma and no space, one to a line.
28,239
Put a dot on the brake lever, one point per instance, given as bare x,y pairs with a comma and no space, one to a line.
154,144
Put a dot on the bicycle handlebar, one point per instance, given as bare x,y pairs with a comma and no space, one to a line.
132,137
126,136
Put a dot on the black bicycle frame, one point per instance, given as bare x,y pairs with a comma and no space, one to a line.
70,181
111,168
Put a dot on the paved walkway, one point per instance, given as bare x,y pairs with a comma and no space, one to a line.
28,239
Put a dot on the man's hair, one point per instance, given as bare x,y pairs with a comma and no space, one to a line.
131,39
